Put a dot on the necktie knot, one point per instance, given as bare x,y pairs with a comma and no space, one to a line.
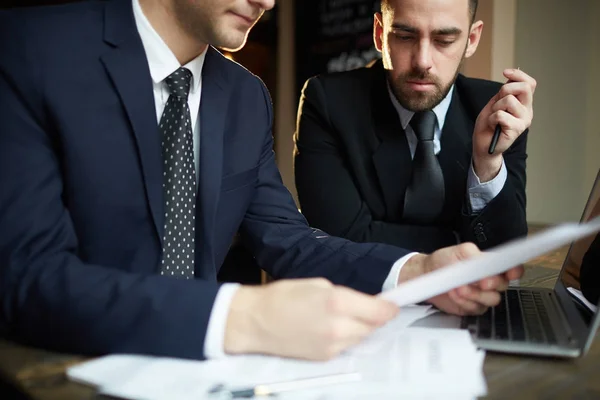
423,123
179,82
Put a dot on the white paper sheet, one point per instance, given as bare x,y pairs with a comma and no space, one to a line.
492,262
379,339
581,297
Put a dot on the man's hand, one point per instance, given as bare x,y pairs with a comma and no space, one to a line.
466,300
512,108
303,318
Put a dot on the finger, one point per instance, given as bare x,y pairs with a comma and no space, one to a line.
345,329
511,126
515,273
464,251
464,305
497,282
514,107
318,282
369,309
521,90
516,75
343,333
450,255
487,298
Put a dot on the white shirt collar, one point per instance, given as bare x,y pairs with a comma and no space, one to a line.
161,59
406,115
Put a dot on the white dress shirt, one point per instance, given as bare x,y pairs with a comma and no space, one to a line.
162,63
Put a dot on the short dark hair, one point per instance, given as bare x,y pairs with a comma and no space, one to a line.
472,7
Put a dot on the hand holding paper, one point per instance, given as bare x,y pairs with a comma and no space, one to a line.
494,262
465,300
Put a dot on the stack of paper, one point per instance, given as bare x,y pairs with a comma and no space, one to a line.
395,361
417,363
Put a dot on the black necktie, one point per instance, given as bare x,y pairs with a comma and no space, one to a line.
424,198
179,179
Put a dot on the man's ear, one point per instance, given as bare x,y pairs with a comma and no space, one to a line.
474,37
378,31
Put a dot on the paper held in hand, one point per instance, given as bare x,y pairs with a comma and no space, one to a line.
492,262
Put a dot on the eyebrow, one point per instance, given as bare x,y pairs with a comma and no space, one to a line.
438,32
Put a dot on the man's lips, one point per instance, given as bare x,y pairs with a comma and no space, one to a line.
420,82
246,19
420,85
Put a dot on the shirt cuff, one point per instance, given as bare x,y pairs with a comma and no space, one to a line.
392,280
480,194
215,334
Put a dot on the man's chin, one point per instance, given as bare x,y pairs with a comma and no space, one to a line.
233,42
418,103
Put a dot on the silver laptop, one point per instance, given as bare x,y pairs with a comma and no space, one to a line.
554,322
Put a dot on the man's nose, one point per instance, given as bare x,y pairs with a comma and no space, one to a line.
264,4
422,59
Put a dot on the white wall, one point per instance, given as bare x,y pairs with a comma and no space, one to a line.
503,31
592,150
557,43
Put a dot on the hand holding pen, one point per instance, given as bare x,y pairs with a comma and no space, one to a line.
506,116
513,105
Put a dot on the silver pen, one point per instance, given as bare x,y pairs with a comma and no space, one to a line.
280,387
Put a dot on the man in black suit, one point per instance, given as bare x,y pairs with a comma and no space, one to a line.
398,152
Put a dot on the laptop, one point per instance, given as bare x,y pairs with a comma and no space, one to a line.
559,322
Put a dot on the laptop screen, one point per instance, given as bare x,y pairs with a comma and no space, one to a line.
580,274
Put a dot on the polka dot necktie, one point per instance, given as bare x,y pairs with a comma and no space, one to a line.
424,199
179,179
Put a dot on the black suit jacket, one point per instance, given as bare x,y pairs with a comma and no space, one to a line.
353,164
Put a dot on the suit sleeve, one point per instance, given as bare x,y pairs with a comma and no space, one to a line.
49,297
504,217
590,272
327,192
287,247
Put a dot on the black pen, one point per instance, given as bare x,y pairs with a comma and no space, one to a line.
496,136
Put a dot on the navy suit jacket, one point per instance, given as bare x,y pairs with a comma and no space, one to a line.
81,201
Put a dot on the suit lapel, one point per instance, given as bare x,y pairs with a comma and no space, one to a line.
455,156
128,68
213,112
391,157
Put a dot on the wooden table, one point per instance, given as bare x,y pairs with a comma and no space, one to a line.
40,373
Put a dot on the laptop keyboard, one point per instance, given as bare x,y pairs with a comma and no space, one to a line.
520,316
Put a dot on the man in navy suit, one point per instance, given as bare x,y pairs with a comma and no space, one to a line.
131,152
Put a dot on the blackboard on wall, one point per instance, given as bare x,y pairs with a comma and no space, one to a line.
333,35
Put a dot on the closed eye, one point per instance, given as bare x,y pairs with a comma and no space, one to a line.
444,42
403,37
